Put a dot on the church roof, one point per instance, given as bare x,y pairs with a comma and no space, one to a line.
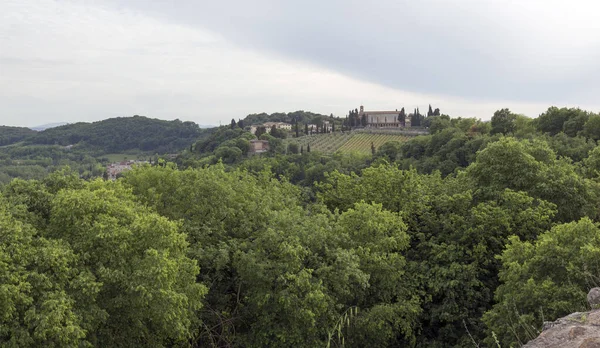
381,112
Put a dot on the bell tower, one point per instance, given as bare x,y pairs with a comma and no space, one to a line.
362,109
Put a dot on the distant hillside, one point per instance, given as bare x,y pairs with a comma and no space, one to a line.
11,135
300,116
123,134
48,126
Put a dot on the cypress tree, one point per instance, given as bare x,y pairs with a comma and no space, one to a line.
308,148
233,124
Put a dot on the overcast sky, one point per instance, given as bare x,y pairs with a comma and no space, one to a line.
210,61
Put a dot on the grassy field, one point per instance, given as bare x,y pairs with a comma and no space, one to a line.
347,142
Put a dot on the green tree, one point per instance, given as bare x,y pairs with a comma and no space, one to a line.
591,129
503,122
260,130
543,280
293,148
102,270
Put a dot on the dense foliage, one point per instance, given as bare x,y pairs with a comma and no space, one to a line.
88,147
472,235
11,135
123,133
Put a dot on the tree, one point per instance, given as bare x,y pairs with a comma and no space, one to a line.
530,293
373,149
402,117
306,128
293,148
233,124
436,112
591,129
439,123
553,121
307,147
430,111
260,130
228,154
297,129
240,124
503,122
105,271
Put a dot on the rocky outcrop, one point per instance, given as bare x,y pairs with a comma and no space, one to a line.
578,330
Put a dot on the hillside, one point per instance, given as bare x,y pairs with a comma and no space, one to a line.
300,116
48,126
11,135
28,154
123,134
347,142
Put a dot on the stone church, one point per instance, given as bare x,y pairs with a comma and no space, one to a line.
384,119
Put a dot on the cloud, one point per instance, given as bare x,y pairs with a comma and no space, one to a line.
210,62
536,50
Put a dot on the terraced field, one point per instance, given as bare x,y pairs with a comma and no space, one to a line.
347,142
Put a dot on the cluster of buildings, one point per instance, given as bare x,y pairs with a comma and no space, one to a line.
116,168
269,125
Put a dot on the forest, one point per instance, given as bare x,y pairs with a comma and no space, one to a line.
471,236
88,147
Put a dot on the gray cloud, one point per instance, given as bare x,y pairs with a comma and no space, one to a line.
213,61
534,51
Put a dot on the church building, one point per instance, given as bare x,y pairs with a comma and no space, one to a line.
384,119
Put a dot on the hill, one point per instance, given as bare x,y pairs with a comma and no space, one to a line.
354,142
48,126
301,116
123,134
11,135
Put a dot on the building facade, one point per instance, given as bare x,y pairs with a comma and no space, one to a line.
384,119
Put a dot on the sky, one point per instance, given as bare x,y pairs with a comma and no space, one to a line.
211,61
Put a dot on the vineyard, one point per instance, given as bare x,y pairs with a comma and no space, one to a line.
346,142
361,143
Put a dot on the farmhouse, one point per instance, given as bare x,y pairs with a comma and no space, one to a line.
258,146
279,125
269,125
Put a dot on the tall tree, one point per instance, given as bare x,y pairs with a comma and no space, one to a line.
233,123
260,130
430,111
503,122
